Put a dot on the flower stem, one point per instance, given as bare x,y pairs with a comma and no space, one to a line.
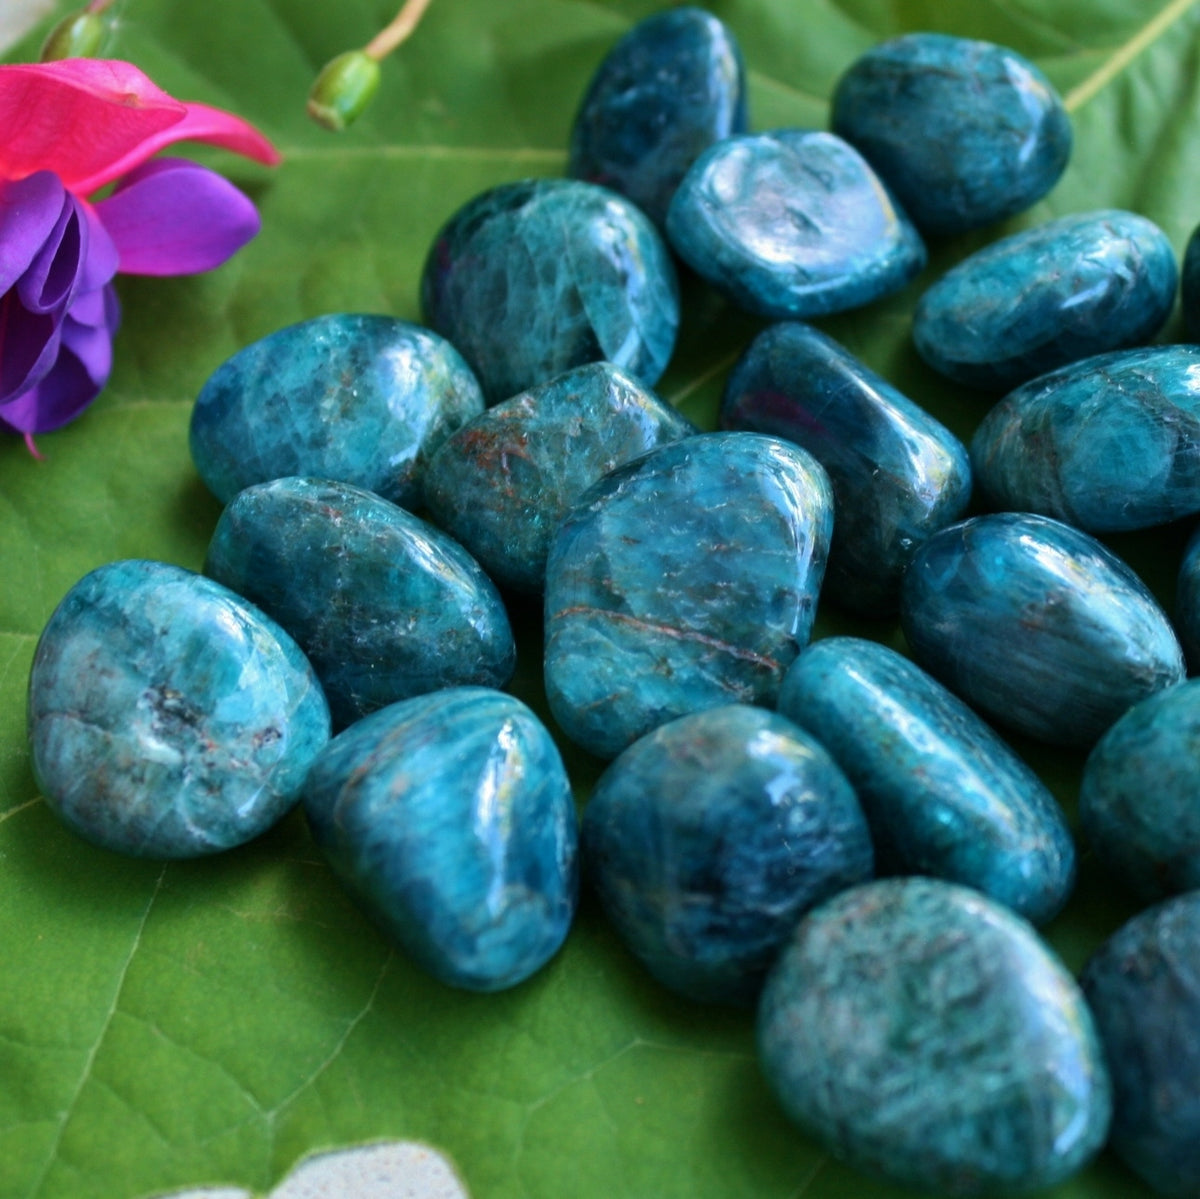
388,38
98,6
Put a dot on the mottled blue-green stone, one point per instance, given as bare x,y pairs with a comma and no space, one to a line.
1074,287
364,399
964,132
684,580
450,819
169,718
503,484
1106,444
1143,986
925,1034
707,839
385,605
533,278
897,474
792,223
1036,624
1187,601
943,794
1139,801
1189,285
669,89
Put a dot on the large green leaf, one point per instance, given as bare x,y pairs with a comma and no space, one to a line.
214,1021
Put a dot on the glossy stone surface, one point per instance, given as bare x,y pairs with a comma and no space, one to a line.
1107,444
503,484
385,605
792,223
964,132
449,817
533,278
707,839
1138,798
943,794
1074,287
1143,985
168,718
684,580
897,474
923,1033
1187,601
364,399
1189,285
669,89
1036,624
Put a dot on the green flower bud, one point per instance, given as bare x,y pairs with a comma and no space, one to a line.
78,36
343,89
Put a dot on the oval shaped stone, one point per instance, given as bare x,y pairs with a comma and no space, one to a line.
450,819
1187,600
792,223
944,796
707,839
1081,285
503,484
1137,799
363,399
964,132
385,605
684,580
669,89
1143,986
1107,444
897,474
1036,624
533,278
168,718
923,1033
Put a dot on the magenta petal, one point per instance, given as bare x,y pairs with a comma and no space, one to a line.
172,217
29,210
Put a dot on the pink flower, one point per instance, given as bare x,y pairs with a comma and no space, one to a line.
67,129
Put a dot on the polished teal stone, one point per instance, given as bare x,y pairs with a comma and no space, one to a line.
533,278
792,223
925,1034
450,819
1187,601
943,794
684,580
897,474
1138,798
670,88
1189,286
1037,625
1107,444
1077,286
1143,986
168,718
385,605
964,132
503,484
707,840
363,399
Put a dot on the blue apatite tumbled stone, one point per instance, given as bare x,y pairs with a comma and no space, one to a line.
897,474
1036,624
1143,986
669,89
385,605
364,399
792,224
1189,286
1074,287
169,718
533,278
450,818
1187,601
1138,798
503,484
684,580
1106,444
964,132
708,839
943,794
924,1033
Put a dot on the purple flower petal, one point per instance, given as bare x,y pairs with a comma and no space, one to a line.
172,217
51,280
29,343
29,210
